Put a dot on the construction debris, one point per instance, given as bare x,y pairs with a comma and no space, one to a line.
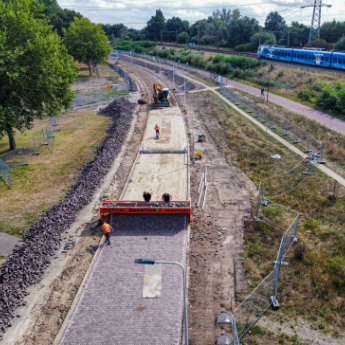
27,263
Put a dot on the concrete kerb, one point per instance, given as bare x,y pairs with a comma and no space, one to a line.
324,169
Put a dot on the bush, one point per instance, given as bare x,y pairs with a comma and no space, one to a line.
280,73
312,224
328,98
340,45
197,61
183,37
320,44
304,93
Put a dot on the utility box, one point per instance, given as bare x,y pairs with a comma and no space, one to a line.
224,319
224,339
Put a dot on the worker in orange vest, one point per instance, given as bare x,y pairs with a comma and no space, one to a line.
107,229
157,128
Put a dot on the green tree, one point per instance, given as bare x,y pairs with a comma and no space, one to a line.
62,20
320,44
155,25
87,42
340,45
35,70
275,23
50,7
183,37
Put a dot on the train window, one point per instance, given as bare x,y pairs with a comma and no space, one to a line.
302,56
322,58
326,58
314,57
340,60
310,57
335,60
298,56
294,55
289,54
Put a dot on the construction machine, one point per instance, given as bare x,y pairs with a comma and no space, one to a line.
161,96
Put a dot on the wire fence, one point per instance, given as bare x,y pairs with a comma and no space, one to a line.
265,295
21,156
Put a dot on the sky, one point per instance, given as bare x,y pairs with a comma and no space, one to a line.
135,13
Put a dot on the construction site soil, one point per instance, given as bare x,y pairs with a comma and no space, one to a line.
215,270
26,265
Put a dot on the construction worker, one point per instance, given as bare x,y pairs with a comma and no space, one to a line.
157,130
107,229
166,197
147,196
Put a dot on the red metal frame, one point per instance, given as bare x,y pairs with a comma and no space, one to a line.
142,207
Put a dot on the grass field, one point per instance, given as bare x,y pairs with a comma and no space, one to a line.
312,286
45,181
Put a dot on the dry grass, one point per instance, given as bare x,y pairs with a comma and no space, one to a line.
334,143
45,181
105,71
312,287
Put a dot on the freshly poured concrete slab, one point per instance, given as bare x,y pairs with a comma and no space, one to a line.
152,281
172,132
164,172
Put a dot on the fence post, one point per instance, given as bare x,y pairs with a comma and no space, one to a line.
286,128
259,203
308,150
36,153
276,274
264,120
296,141
24,162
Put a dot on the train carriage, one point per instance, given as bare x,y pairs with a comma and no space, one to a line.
312,57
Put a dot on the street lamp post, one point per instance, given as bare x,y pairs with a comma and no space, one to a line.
152,262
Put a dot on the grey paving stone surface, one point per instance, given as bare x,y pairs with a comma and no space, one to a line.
111,309
7,243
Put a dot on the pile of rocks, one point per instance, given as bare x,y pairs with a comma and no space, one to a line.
25,266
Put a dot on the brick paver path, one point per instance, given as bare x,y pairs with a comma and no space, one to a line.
111,309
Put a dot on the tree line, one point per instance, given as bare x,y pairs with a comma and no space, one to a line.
226,28
39,44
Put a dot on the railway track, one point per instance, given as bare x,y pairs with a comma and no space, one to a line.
255,56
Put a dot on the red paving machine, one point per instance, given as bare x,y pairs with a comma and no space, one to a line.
143,207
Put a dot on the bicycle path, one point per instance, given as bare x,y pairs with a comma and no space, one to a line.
329,121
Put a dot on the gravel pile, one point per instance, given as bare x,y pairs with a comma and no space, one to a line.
25,266
132,84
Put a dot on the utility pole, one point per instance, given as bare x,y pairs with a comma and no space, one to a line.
315,19
184,89
268,89
260,38
193,134
288,42
161,36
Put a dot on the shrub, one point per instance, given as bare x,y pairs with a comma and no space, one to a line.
340,45
271,67
299,251
183,37
280,73
320,44
327,98
304,93
322,326
198,61
237,73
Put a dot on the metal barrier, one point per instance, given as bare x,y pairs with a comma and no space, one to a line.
21,156
265,295
5,173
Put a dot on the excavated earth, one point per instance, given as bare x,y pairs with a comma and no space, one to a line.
27,263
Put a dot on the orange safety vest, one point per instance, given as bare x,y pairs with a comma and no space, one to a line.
106,228
156,128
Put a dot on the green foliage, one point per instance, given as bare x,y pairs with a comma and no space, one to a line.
322,326
312,224
328,98
320,44
340,45
155,26
183,37
129,45
35,70
87,42
275,22
62,20
280,73
272,211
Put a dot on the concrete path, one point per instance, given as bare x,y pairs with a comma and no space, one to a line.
7,244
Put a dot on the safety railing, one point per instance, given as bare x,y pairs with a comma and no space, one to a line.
5,173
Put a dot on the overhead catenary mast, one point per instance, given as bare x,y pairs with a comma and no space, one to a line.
316,19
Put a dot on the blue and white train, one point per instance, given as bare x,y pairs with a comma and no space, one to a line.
309,56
